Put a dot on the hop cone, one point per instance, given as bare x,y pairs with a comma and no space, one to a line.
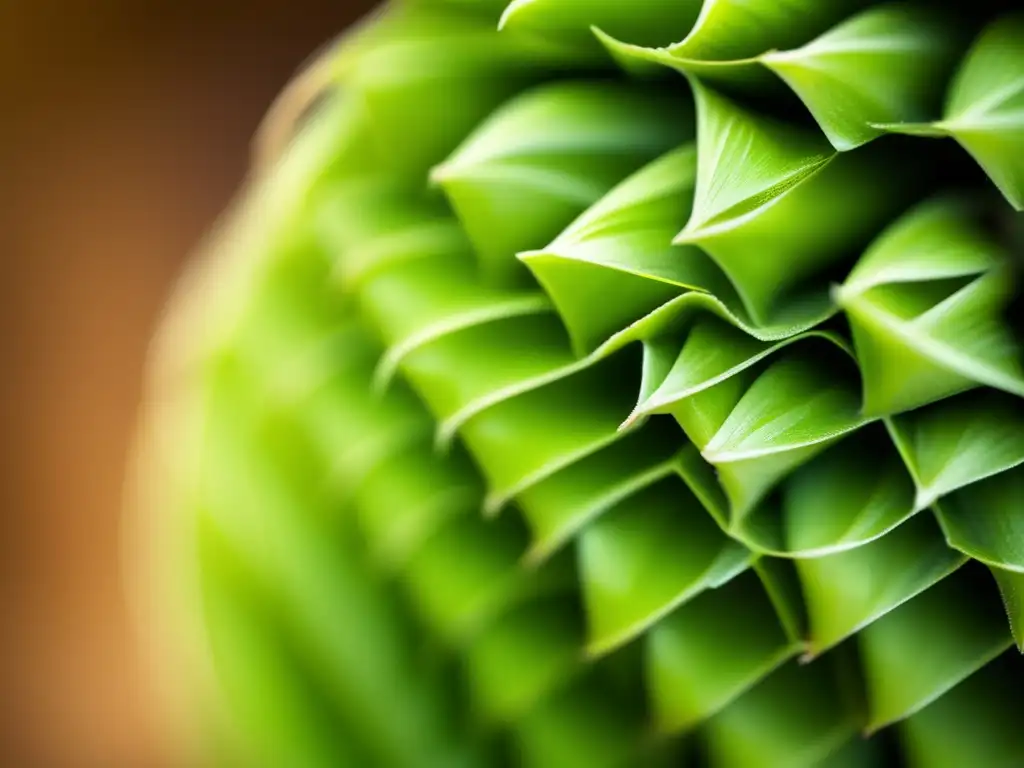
609,383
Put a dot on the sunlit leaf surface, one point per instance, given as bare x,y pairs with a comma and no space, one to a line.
604,383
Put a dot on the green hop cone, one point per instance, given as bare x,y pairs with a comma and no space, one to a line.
608,383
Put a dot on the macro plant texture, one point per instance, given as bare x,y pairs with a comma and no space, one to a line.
609,383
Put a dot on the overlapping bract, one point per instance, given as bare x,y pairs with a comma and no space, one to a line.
661,427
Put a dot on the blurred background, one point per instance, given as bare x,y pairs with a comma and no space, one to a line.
124,129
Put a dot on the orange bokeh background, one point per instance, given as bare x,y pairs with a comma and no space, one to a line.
124,130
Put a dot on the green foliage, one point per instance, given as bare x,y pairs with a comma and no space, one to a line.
540,405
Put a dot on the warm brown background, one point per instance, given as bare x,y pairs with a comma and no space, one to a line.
123,130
